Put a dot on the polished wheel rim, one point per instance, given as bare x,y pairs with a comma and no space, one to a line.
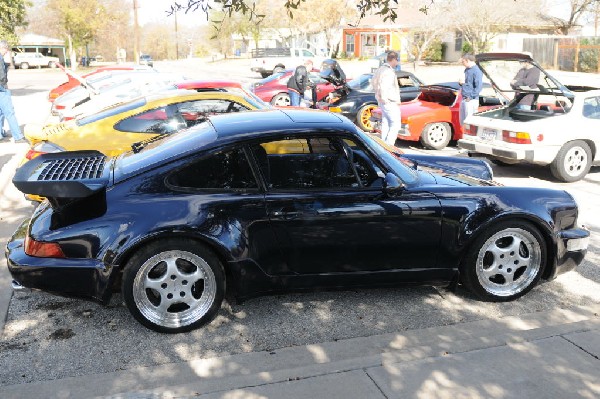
436,133
365,117
508,262
174,289
576,161
282,101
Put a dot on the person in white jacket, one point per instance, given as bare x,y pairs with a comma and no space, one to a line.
387,93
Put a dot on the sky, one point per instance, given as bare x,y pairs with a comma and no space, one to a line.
156,11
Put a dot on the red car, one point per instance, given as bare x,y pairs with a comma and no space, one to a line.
274,88
433,117
75,79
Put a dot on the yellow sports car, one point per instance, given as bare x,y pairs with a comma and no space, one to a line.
114,130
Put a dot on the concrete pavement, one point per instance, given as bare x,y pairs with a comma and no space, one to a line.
553,354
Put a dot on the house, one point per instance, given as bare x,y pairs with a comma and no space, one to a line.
371,36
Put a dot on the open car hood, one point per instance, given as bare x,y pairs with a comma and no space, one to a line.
502,68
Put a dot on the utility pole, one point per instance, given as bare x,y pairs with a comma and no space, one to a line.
136,34
176,37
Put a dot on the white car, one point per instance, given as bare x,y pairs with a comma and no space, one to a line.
27,60
545,123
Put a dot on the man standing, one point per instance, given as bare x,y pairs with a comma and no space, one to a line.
6,105
387,93
298,83
471,87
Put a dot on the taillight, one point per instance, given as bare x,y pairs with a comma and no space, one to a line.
58,106
53,96
43,249
33,154
470,130
516,137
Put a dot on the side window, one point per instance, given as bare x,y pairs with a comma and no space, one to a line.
313,163
158,121
194,112
591,108
307,53
406,81
225,170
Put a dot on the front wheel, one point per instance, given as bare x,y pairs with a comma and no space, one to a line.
505,262
363,117
52,64
436,136
281,100
572,162
24,65
174,286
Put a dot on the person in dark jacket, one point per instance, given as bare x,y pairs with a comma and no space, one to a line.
528,77
471,87
299,82
6,106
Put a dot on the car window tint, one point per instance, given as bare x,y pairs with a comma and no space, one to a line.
194,112
591,108
305,163
161,120
223,170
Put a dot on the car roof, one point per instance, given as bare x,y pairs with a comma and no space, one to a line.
259,122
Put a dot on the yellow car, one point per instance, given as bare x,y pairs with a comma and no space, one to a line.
113,130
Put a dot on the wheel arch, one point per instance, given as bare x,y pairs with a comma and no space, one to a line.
220,252
544,229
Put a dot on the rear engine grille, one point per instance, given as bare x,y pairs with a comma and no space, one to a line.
72,169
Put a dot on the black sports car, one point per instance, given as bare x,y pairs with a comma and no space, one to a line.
356,99
279,200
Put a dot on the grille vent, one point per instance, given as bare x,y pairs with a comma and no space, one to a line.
72,169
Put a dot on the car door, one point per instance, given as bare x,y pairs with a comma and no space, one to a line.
330,214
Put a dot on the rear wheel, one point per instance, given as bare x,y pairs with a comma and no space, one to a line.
52,64
265,75
281,100
173,285
572,162
505,262
436,136
363,117
24,65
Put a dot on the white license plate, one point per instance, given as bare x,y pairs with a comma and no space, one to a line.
488,134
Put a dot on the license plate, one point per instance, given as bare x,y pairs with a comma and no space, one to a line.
488,134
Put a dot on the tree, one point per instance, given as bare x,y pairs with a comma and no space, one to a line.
12,16
576,10
79,22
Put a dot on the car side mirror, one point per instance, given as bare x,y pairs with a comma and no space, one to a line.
392,184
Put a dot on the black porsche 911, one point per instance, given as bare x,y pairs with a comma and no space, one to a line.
356,99
279,200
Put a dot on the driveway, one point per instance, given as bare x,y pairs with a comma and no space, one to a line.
47,337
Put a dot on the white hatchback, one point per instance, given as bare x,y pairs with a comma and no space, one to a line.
544,124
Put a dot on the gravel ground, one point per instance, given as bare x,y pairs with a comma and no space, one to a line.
48,337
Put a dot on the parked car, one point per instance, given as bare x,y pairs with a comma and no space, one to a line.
146,59
267,61
99,84
379,60
75,79
559,128
433,118
273,89
27,60
356,100
267,201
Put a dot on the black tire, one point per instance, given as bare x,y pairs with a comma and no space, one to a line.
572,162
52,64
277,69
24,65
436,136
281,100
363,117
265,75
183,273
511,250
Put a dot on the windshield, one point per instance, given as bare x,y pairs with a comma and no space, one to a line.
398,165
519,76
363,82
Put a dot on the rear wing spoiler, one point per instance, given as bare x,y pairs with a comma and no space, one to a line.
63,175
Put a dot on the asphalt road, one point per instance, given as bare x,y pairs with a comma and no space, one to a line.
48,337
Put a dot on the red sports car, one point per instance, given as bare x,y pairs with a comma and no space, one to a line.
273,89
433,117
75,79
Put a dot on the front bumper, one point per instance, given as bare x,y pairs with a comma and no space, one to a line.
572,246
